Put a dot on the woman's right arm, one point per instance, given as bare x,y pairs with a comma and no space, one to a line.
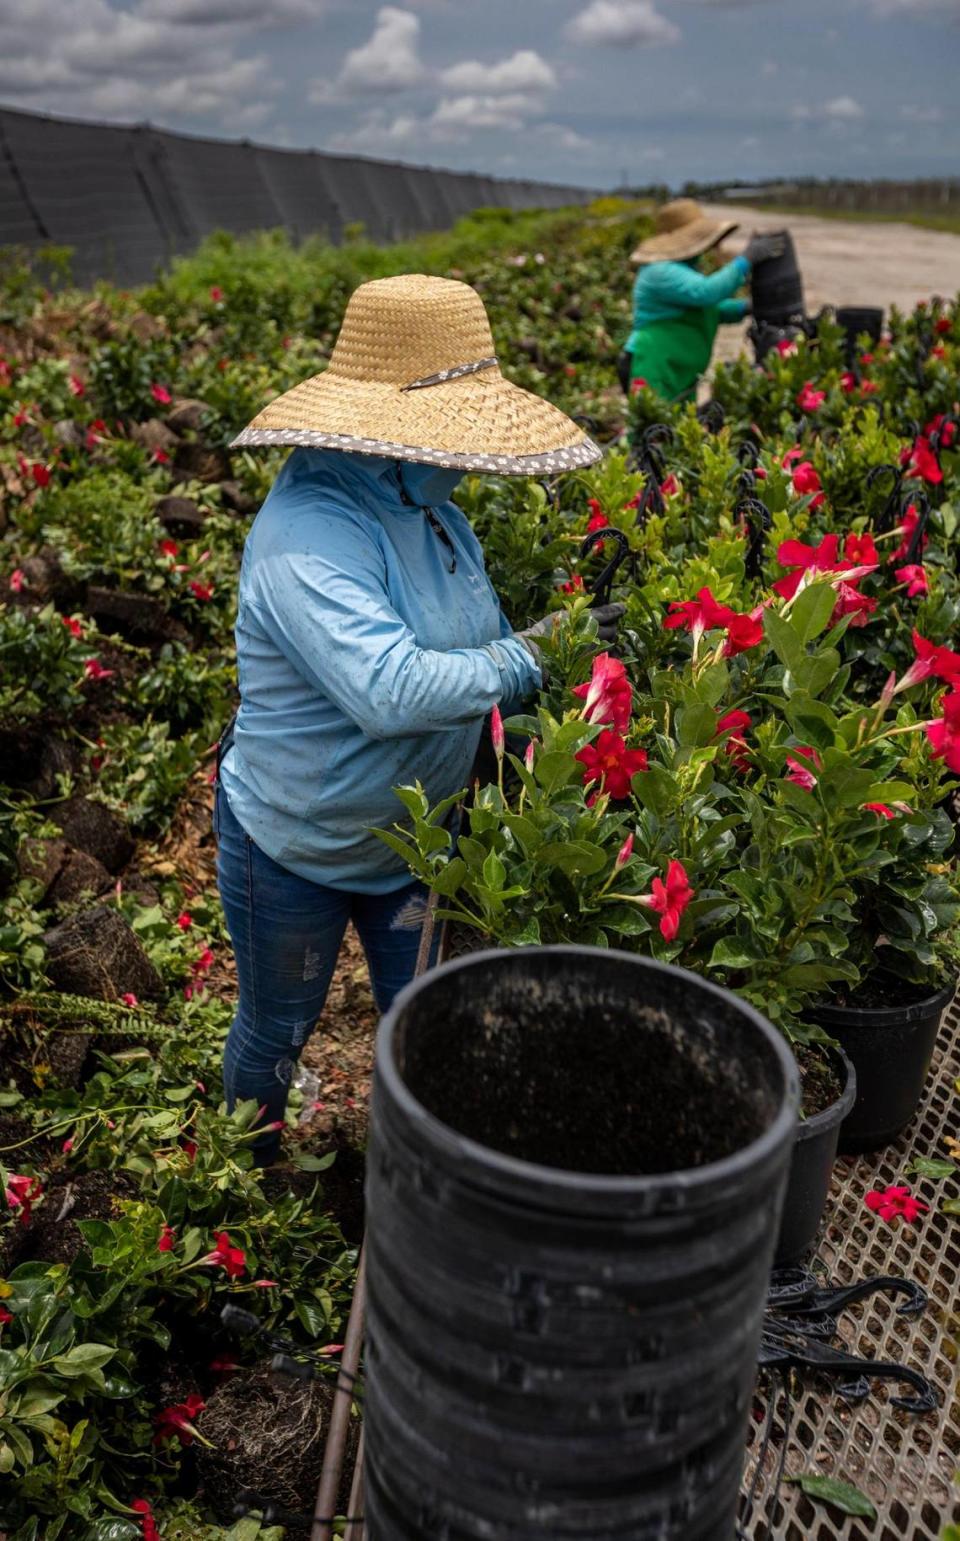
329,613
675,284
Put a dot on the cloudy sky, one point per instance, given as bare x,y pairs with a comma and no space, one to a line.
575,90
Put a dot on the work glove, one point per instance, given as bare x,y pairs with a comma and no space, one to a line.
607,618
760,248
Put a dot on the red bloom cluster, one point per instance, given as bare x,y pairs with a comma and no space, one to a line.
22,1193
915,577
93,670
732,727
232,1259
609,762
907,529
808,399
670,899
141,1507
895,1203
165,1241
607,695
801,775
943,734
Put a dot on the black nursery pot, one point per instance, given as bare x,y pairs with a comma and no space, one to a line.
814,1152
891,1048
776,288
576,1168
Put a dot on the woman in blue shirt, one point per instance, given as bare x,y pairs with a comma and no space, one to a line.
370,646
676,308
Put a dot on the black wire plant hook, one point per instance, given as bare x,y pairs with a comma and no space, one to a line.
757,520
602,586
889,513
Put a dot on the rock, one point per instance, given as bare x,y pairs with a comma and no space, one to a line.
79,875
181,516
187,416
97,830
41,860
137,617
96,953
67,1055
153,434
44,577
202,463
236,500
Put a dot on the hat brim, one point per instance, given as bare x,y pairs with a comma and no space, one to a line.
689,241
478,422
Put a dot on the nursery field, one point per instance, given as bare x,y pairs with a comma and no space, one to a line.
760,787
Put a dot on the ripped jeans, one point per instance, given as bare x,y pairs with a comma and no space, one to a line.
286,934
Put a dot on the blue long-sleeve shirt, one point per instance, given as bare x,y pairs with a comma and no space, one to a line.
664,290
364,663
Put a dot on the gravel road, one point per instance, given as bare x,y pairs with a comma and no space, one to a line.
851,262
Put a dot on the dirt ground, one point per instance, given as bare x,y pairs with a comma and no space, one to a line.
851,262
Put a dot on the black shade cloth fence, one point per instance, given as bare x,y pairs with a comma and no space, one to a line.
128,198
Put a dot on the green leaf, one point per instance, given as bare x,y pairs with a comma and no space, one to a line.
554,769
7,1458
306,1162
449,878
312,1318
696,726
494,872
783,639
840,1495
812,610
83,1358
933,1166
574,857
950,1207
729,952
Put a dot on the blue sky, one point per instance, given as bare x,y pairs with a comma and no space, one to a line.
575,90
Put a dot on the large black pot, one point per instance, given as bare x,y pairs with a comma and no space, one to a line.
811,1164
857,320
776,289
891,1048
562,1326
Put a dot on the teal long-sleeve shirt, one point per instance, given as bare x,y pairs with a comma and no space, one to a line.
664,290
364,662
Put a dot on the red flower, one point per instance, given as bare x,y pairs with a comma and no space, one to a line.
40,474
203,591
67,1145
915,577
942,325
166,1238
570,370
16,580
944,732
939,351
851,602
22,1193
21,418
608,695
860,550
94,433
77,387
150,1531
496,736
910,521
669,486
799,773
73,625
530,753
5,1316
190,1146
868,387
637,385
671,898
866,358
129,999
894,1204
848,382
177,1421
160,457
808,399
743,633
169,548
609,762
232,1259
931,659
735,724
803,558
184,921
881,810
204,962
575,583
805,479
216,293
94,670
698,615
786,347
923,462
161,394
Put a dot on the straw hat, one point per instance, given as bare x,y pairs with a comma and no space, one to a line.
413,376
682,231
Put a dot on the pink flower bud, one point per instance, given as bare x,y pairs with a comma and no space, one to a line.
624,853
496,732
530,752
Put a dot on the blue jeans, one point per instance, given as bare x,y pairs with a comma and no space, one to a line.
286,934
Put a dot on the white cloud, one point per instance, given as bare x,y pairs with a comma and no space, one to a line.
523,71
387,61
621,21
842,109
564,138
461,112
921,114
207,13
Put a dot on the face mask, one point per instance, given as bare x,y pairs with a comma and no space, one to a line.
427,485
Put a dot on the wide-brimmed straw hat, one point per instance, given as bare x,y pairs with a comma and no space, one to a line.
682,231
413,375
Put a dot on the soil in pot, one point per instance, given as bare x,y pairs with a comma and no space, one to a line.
268,1435
629,1109
821,1081
828,1083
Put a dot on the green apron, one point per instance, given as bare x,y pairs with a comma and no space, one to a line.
672,355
